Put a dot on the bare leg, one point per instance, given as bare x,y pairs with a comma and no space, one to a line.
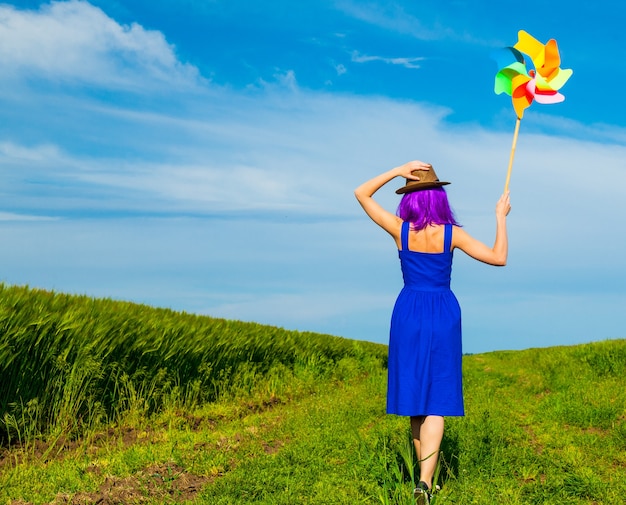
427,435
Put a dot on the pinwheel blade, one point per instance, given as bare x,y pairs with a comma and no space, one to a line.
529,45
504,78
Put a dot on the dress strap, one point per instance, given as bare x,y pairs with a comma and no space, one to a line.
404,235
447,237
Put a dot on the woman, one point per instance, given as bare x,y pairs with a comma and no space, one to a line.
425,354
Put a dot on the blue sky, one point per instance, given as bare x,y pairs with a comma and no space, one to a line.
202,156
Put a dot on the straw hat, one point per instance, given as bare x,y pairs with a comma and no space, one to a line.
428,180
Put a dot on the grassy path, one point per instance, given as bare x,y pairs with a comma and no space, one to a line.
313,451
261,451
543,426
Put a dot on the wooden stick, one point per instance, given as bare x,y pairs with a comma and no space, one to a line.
508,174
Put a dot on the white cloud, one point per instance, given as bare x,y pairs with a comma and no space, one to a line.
284,80
75,42
411,62
11,152
341,69
303,153
11,216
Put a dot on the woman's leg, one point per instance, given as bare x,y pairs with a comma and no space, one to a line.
427,435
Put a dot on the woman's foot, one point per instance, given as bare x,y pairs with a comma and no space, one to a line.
422,493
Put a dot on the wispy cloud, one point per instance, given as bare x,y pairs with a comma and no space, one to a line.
341,69
394,17
411,62
415,19
12,153
10,216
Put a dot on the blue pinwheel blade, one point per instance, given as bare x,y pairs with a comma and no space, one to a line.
505,56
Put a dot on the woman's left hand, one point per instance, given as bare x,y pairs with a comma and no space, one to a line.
503,207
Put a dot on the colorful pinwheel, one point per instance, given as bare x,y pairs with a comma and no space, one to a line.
540,84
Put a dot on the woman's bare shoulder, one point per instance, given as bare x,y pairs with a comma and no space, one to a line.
459,235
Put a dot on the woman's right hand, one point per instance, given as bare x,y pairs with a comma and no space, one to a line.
407,169
503,207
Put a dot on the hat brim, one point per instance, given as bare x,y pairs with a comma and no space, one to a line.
410,188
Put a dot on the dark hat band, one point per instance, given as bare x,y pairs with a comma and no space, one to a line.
412,186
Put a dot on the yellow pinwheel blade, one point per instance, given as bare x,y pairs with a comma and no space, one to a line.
529,45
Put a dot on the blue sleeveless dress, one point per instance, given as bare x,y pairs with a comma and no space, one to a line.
425,353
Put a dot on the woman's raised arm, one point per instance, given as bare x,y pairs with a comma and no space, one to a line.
496,255
365,192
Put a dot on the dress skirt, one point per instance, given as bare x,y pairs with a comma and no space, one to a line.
425,355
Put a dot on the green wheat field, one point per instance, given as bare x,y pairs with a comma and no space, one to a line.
108,402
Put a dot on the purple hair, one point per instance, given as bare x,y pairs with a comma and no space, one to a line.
425,208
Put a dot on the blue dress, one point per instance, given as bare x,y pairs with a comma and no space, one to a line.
425,353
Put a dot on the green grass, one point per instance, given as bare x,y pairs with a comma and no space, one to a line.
71,363
266,416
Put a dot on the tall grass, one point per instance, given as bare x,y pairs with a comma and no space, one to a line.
69,362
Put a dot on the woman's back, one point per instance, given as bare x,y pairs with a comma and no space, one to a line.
427,263
427,240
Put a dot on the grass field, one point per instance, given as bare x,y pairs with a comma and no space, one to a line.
109,402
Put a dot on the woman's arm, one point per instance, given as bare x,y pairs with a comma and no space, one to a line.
496,255
364,194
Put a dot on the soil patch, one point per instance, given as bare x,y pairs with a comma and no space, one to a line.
168,482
